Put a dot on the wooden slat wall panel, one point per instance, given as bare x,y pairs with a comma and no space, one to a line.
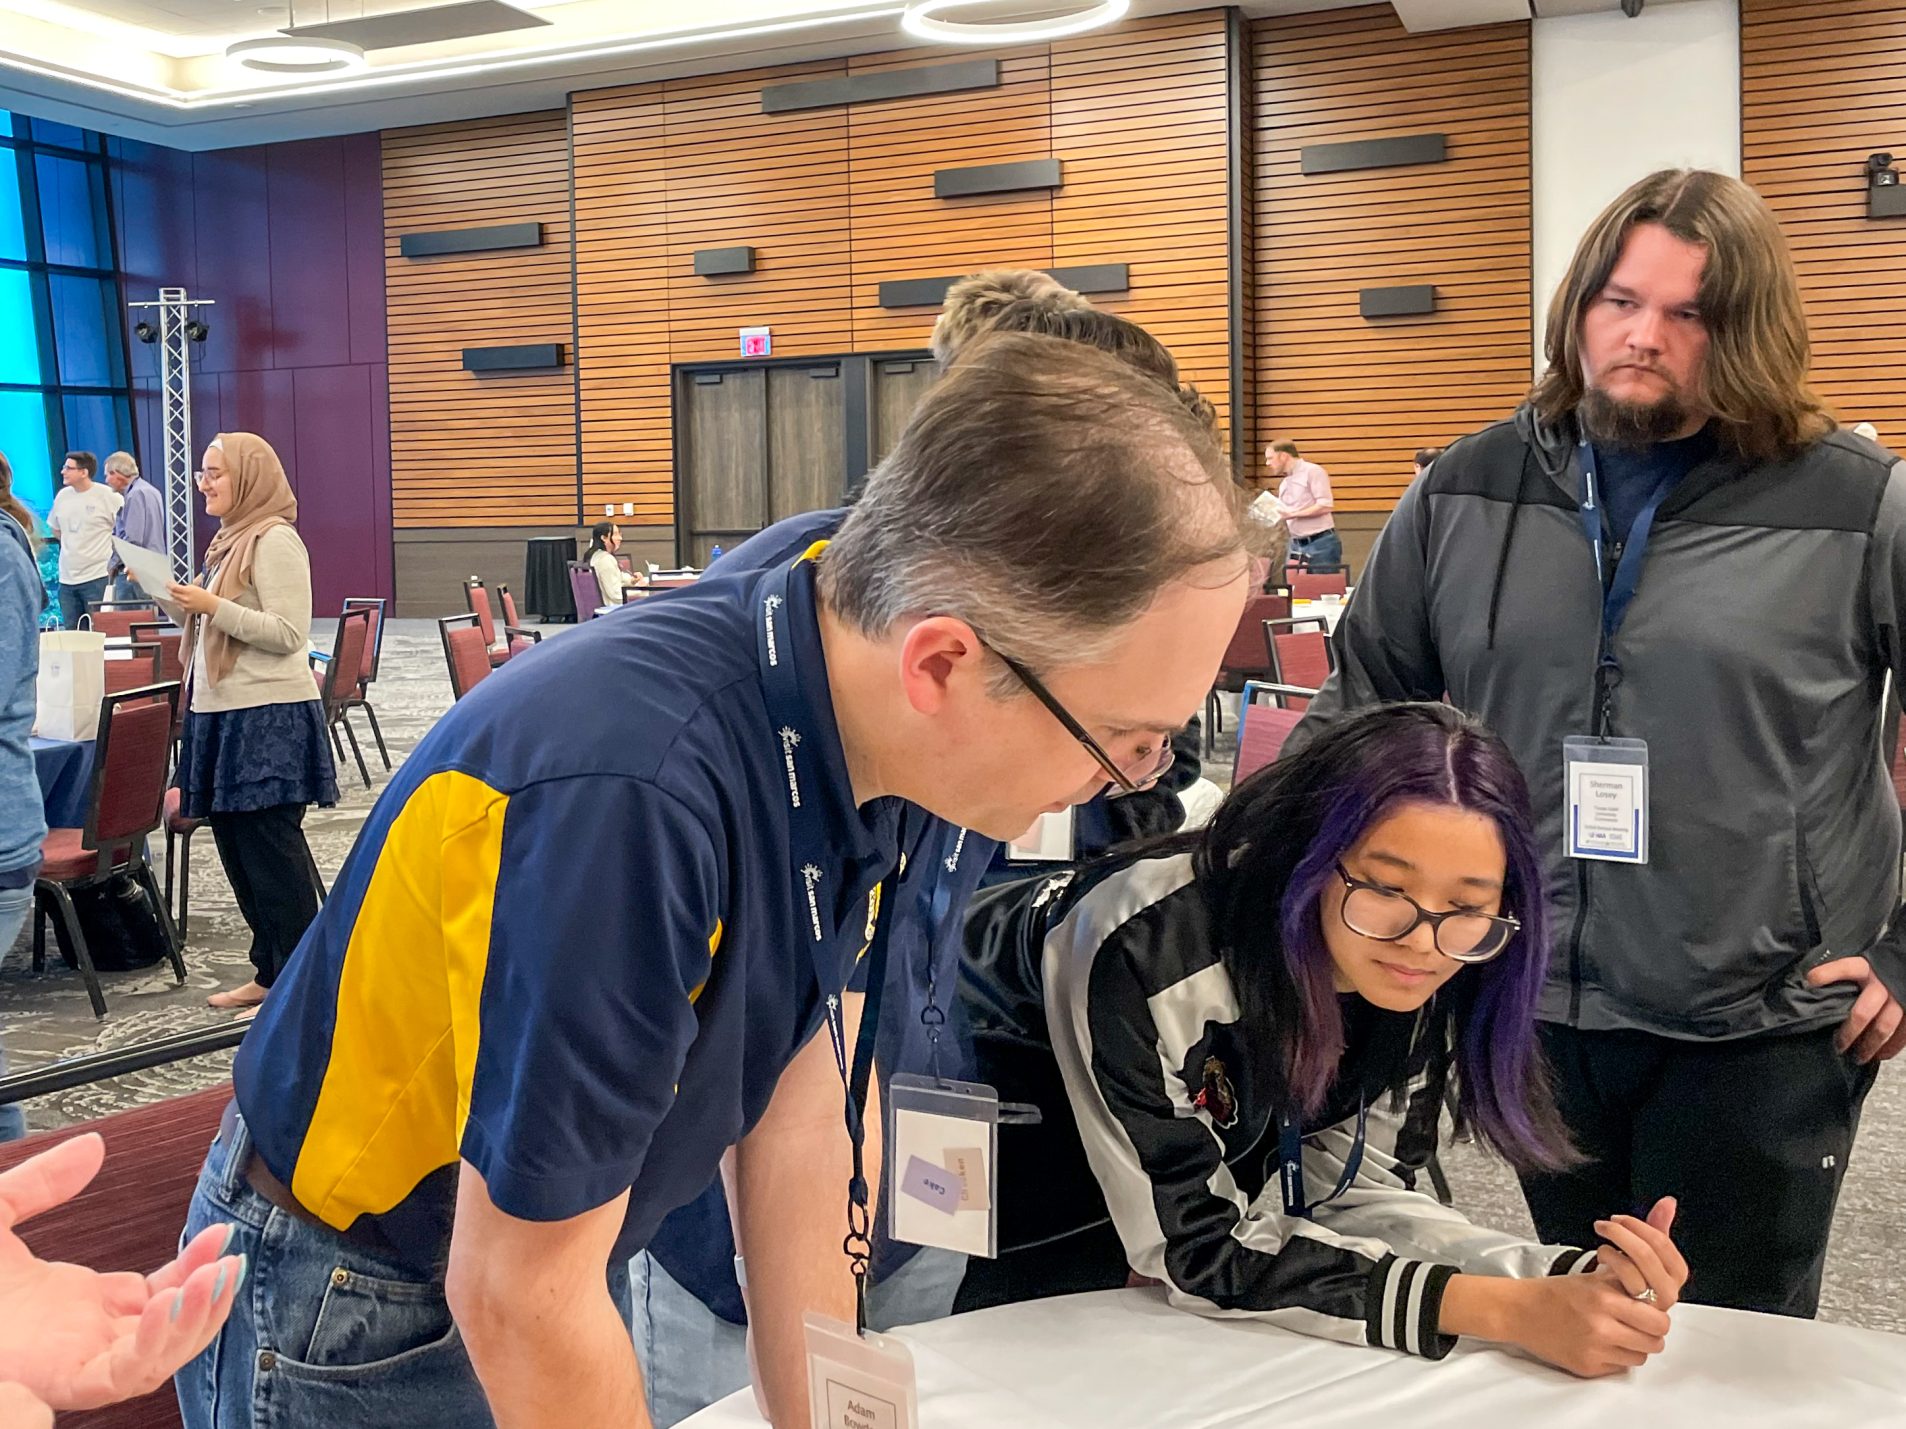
901,230
1360,395
1140,113
1823,84
470,451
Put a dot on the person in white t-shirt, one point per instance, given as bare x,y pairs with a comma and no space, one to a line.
82,518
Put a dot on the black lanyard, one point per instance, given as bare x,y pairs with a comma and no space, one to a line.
1618,590
1290,1156
808,849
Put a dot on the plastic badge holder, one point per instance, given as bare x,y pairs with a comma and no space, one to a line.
857,1381
942,1159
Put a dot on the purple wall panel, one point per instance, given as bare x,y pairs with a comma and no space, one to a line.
335,505
289,238
310,284
364,250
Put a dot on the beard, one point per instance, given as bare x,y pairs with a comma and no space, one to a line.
1616,423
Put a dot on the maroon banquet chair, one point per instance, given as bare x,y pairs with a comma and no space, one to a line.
1243,658
464,653
360,698
130,760
117,617
141,668
341,675
585,589
1267,714
520,636
1301,654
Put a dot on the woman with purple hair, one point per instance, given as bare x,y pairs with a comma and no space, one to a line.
1242,1040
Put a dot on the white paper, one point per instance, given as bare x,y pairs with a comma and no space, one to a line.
1049,840
933,1139
1607,811
150,570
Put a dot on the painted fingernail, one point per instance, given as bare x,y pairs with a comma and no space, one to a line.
218,1285
244,1266
178,1303
226,1244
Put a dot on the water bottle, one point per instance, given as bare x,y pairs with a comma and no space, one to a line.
714,555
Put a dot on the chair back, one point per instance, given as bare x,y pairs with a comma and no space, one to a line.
153,1155
128,674
586,590
1267,714
1320,582
465,652
131,760
170,640
117,617
1244,656
345,668
510,617
1300,652
478,597
374,647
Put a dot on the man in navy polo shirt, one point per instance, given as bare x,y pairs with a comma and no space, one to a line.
502,1055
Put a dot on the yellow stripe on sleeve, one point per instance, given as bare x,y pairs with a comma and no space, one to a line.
396,1092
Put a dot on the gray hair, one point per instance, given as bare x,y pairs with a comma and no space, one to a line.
122,463
1042,492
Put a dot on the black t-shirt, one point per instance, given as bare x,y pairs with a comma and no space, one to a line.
1629,474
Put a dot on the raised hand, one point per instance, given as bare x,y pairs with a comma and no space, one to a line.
75,1338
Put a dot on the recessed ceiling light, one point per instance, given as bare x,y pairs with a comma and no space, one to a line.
920,19
286,54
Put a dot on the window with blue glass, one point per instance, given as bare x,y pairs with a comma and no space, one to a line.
63,377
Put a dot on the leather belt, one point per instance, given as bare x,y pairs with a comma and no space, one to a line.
362,1233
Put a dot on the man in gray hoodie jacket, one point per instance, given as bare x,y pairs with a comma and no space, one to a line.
1677,591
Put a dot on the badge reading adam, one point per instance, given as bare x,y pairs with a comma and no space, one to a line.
1607,785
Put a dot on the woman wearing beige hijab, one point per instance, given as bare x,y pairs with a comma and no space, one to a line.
254,754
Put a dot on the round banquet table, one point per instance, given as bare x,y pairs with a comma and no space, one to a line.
1123,1359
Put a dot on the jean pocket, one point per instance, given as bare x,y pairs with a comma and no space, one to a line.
366,1325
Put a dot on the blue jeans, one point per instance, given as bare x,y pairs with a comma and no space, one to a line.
126,588
1323,549
75,598
691,1357
15,904
325,1334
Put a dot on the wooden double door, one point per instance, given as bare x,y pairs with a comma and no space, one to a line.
757,442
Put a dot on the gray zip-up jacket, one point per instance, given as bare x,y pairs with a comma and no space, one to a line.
1771,606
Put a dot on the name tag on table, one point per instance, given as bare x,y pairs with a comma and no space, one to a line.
857,1381
1605,782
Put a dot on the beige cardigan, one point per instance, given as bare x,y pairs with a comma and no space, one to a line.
271,621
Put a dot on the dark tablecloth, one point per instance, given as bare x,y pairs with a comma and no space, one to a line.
546,578
65,767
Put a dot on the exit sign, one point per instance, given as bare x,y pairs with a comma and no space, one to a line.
756,342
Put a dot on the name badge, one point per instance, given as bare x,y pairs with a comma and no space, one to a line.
942,1146
857,1381
1606,785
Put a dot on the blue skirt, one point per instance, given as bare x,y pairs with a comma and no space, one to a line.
239,761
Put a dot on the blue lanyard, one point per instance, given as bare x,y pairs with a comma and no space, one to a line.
808,848
1290,1156
1618,593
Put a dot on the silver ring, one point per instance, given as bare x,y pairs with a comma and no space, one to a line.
1648,1296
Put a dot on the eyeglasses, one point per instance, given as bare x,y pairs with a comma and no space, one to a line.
1155,767
1373,911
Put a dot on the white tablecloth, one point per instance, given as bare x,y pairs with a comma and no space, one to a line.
1327,611
1123,1359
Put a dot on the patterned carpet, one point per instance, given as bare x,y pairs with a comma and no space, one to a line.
47,1018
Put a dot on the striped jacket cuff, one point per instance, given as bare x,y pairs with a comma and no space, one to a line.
1405,1307
1573,1262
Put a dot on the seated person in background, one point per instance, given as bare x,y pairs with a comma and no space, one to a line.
605,539
1252,1030
1424,457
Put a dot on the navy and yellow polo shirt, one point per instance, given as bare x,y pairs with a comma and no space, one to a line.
567,946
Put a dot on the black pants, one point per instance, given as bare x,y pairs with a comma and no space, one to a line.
1751,1136
269,865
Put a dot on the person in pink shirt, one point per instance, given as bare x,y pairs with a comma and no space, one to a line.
1305,503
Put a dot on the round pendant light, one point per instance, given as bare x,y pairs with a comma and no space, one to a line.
289,54
921,20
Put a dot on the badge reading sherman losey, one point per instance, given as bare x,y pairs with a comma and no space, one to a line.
1607,786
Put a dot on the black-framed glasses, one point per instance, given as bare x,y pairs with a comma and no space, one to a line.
1127,783
1387,915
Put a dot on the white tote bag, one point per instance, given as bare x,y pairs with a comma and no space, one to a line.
72,683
